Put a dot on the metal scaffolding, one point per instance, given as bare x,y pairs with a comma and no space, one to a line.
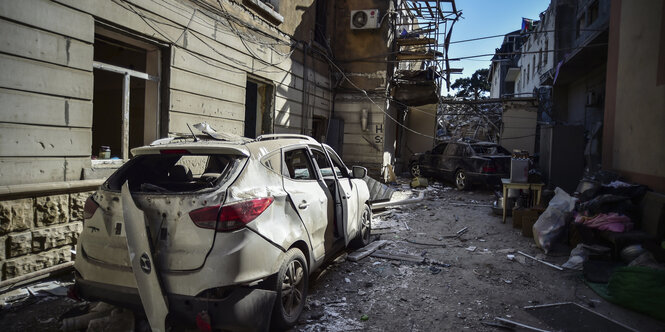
422,31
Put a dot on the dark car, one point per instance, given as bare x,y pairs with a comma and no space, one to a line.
463,162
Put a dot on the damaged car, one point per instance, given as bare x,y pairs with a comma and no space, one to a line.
219,232
464,163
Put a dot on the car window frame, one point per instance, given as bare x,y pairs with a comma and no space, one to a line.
335,157
316,176
282,166
313,149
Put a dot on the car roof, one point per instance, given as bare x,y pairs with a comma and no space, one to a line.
257,148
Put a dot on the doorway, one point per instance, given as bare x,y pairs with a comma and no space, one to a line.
258,108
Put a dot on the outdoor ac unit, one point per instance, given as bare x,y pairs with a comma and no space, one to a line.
364,19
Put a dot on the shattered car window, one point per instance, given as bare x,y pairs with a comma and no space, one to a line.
488,149
173,173
322,162
298,164
340,169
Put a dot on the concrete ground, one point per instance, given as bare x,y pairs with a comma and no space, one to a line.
377,294
466,282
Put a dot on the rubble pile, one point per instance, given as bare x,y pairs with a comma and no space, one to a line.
615,229
469,120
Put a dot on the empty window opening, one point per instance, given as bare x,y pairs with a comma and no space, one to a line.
319,128
258,109
593,12
126,94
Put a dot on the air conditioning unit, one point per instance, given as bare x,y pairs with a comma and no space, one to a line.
364,19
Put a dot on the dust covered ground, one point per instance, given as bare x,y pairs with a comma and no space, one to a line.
377,294
456,289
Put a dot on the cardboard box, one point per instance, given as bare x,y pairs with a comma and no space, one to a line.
529,217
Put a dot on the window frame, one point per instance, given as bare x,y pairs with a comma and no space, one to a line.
315,176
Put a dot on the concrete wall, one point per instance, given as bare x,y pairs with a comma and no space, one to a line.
634,116
46,98
423,120
361,54
519,126
362,147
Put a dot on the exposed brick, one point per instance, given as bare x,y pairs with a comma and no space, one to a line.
56,236
16,215
19,244
76,204
23,265
52,210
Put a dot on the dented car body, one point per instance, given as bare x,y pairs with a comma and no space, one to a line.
222,233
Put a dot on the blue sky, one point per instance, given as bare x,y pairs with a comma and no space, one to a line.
482,18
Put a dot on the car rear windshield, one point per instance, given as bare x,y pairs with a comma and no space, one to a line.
174,173
489,149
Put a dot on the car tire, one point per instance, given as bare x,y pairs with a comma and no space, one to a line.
365,233
415,170
461,180
291,288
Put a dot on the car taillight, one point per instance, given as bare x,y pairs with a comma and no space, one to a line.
89,208
488,169
229,217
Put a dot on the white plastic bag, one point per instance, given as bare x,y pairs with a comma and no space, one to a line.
552,222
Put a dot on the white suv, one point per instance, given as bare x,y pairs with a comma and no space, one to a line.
219,232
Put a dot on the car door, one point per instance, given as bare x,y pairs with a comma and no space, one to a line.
338,180
310,200
449,160
436,160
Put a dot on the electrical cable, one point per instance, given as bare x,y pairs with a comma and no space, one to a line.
370,99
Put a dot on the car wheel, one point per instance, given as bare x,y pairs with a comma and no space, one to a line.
364,235
291,290
415,170
461,182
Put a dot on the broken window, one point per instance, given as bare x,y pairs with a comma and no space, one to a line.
593,13
320,23
580,26
340,169
540,58
298,165
258,108
169,173
126,94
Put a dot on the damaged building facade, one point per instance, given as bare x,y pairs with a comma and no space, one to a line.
574,63
84,81
393,65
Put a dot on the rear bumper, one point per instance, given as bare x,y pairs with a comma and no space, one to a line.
241,309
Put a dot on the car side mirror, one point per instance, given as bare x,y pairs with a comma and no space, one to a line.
359,172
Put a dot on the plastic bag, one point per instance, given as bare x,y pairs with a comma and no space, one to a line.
577,258
552,222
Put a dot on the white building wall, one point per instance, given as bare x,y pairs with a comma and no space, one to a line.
538,56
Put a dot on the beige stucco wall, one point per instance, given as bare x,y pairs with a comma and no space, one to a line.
519,126
639,124
46,99
421,119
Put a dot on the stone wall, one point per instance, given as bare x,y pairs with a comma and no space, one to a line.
39,232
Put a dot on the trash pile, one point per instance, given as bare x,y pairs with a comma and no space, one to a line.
617,232
472,120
